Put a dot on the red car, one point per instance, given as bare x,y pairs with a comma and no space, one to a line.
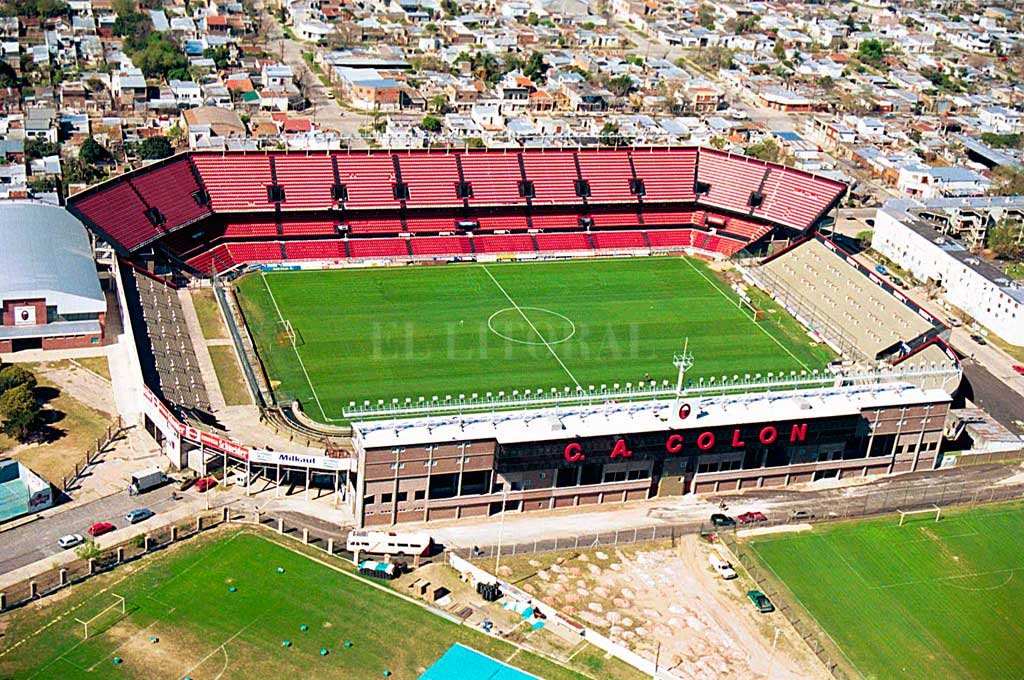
99,529
751,517
1019,369
205,484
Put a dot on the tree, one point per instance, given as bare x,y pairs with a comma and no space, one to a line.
439,103
93,153
997,141
706,16
718,142
1009,181
450,8
19,411
620,86
610,135
535,67
766,150
40,148
431,124
14,375
160,57
155,148
1005,238
871,51
8,77
220,54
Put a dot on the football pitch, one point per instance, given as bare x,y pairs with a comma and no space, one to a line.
182,620
380,334
926,600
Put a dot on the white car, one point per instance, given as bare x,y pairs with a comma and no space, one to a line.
69,541
721,565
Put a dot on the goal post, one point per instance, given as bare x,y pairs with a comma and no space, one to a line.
105,617
934,510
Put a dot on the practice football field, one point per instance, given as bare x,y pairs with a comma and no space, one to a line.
183,621
927,600
370,334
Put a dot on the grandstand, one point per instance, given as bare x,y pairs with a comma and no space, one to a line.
848,305
214,212
166,352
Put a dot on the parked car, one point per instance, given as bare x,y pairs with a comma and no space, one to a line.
761,601
205,484
881,270
751,517
100,528
801,515
978,339
954,322
720,520
186,483
897,281
69,541
1018,369
721,565
139,515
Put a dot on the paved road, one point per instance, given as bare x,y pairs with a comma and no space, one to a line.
38,540
995,396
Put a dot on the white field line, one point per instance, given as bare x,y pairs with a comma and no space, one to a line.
294,348
221,647
527,319
756,325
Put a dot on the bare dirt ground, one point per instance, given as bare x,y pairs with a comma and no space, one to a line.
665,601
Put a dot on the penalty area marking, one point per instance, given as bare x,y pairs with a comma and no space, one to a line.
544,341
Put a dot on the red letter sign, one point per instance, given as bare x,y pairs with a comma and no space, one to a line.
620,450
574,452
736,441
768,435
674,444
705,440
798,433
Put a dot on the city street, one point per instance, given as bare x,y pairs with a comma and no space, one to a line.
37,540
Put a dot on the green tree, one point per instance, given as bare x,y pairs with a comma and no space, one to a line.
93,152
14,375
620,86
155,148
1005,239
8,76
871,51
431,124
131,24
706,16
532,19
439,103
19,411
1009,181
220,54
535,67
611,136
40,148
997,141
450,8
766,150
161,58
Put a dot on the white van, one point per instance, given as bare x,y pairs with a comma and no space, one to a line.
721,565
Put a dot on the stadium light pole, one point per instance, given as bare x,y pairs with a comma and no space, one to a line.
683,362
501,526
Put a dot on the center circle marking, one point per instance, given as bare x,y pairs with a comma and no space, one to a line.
567,337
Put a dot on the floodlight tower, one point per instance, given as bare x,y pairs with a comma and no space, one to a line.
683,362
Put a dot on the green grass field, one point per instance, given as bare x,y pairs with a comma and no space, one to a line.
926,600
374,334
204,631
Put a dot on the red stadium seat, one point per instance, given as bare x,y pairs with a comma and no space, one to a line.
235,181
441,245
563,242
315,250
670,238
378,248
668,174
609,240
511,243
307,181
432,179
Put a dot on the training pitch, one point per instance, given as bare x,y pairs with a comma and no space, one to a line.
182,620
926,600
371,334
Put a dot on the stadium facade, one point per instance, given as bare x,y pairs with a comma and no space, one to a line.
206,214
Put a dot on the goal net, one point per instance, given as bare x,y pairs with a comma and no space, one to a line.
103,620
287,334
925,514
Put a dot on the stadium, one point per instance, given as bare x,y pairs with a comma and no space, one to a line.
465,332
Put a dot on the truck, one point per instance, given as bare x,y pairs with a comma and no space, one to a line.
721,565
144,480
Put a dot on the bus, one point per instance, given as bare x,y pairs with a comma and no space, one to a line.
389,543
